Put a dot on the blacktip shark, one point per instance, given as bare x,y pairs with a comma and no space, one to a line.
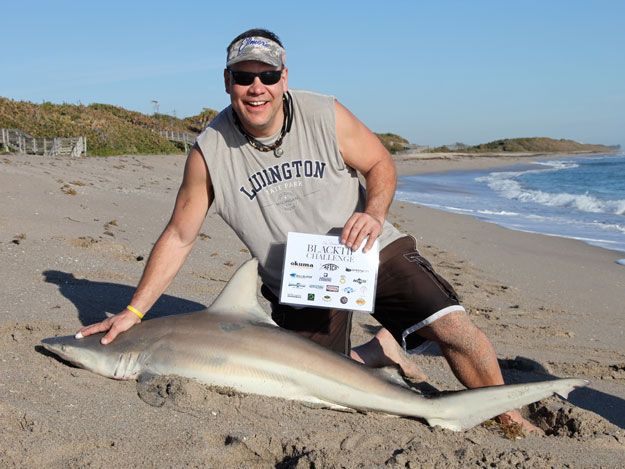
235,344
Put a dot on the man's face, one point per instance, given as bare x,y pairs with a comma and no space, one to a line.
258,106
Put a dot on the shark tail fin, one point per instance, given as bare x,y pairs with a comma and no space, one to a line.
465,409
239,297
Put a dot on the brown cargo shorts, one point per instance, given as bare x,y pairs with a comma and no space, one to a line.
409,296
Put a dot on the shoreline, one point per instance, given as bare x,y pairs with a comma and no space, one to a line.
425,163
74,236
441,163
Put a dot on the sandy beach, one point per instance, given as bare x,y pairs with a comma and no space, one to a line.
74,238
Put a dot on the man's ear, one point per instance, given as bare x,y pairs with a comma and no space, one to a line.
227,80
285,78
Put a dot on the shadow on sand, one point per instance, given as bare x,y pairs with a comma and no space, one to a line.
94,299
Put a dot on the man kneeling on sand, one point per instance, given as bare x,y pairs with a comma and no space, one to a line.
279,160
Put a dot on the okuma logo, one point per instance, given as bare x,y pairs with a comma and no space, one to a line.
301,265
330,267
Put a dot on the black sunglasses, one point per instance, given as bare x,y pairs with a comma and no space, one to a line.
270,77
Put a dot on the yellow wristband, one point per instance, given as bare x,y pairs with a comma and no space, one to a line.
135,310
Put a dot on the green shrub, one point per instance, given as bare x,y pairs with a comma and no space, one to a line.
110,130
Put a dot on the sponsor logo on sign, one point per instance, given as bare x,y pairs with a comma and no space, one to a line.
347,269
297,285
330,267
316,287
311,297
294,275
327,298
359,281
325,278
291,295
342,280
344,299
360,301
363,290
301,265
332,288
348,290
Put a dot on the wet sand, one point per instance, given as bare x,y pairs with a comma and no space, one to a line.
74,236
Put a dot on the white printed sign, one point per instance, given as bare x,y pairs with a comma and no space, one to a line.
319,271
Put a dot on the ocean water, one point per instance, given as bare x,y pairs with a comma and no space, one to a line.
579,197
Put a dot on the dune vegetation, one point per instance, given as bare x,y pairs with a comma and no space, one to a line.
110,130
527,145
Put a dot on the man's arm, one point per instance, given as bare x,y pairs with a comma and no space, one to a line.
170,251
363,151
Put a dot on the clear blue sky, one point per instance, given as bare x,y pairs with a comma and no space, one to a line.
434,72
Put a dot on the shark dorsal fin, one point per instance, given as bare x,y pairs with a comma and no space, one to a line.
238,298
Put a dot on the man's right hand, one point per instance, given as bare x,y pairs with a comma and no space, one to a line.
172,248
114,325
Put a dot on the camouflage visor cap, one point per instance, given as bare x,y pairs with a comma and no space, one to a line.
256,48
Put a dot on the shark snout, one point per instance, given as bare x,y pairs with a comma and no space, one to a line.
84,353
67,347
56,345
53,343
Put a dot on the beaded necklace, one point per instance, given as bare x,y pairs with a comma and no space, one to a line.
287,107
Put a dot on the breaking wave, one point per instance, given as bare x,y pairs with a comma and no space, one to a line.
508,187
581,198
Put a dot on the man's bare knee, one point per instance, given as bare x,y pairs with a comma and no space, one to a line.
452,329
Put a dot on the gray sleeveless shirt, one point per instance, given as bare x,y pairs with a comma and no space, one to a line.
309,189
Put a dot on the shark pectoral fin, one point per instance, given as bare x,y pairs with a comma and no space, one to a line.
328,405
391,374
238,298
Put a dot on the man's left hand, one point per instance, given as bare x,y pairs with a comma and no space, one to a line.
358,227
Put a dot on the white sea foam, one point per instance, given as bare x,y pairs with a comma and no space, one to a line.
557,165
459,209
508,187
498,212
611,226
